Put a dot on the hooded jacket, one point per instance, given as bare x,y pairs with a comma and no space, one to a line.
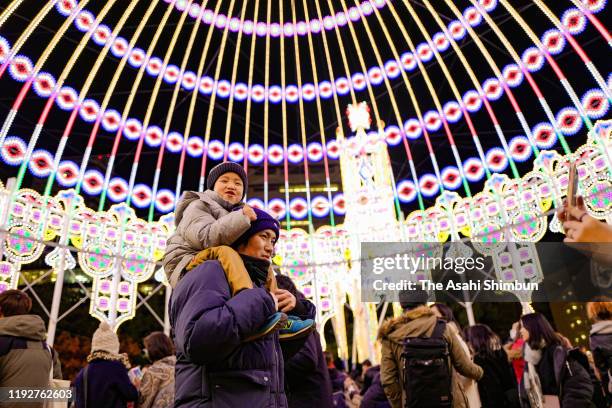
414,323
562,372
214,367
601,346
25,360
202,220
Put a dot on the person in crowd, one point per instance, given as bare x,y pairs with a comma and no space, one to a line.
104,381
463,386
514,350
368,378
554,375
600,338
207,223
157,384
358,372
418,320
307,382
336,377
345,392
25,358
498,386
217,365
374,396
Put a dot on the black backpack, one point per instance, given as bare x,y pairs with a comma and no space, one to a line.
427,373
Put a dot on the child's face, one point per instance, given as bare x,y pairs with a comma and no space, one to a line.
229,187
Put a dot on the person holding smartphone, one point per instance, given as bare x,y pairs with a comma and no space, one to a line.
580,227
157,383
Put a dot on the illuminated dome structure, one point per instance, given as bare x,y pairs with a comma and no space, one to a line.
372,120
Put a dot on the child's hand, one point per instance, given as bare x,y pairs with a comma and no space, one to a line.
248,211
286,301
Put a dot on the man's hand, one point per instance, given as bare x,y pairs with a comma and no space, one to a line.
275,298
249,212
286,301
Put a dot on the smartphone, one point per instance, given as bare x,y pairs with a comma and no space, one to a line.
134,373
572,188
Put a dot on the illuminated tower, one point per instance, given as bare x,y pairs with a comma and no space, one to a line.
367,183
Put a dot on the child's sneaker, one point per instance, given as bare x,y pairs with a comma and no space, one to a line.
296,328
274,322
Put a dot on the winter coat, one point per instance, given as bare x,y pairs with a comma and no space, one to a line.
414,323
25,360
306,377
202,220
214,368
464,387
157,385
375,397
497,387
601,346
368,378
562,372
108,384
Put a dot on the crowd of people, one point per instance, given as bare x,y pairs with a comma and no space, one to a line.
243,336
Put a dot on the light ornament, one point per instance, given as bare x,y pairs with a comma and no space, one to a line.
5,49
277,208
44,84
295,154
256,203
432,120
41,163
574,21
67,173
117,189
520,149
195,146
93,182
569,121
89,110
142,195
452,112
408,62
393,135
13,151
120,47
111,119
9,276
595,103
154,136
256,154
20,245
215,149
544,135
174,142
513,75
165,201
275,154
359,116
